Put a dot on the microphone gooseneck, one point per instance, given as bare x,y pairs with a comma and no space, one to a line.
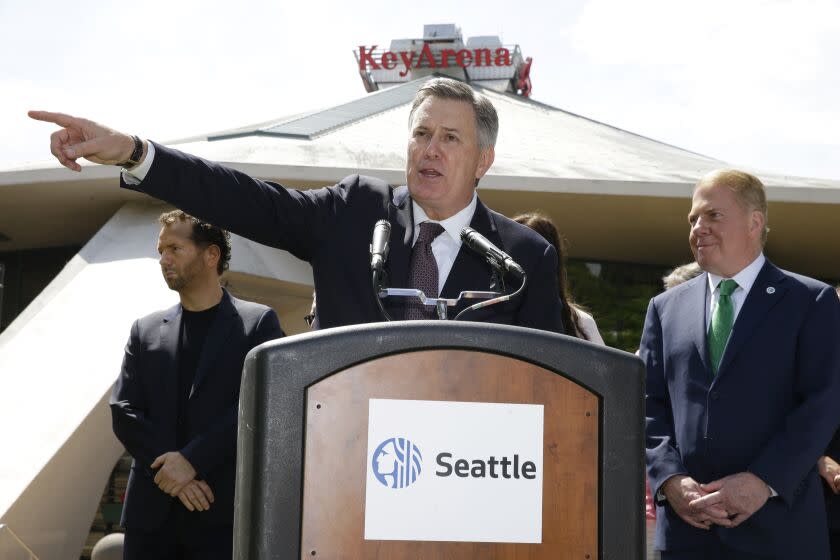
495,256
499,260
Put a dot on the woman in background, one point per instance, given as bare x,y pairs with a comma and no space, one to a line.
576,321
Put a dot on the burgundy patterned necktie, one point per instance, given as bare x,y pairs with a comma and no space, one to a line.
423,271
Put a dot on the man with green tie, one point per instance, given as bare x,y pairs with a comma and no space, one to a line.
743,377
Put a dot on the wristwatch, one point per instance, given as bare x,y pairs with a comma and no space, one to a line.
134,159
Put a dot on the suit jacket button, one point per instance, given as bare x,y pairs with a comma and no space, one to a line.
714,395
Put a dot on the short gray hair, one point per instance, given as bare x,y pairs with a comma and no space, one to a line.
748,189
486,119
681,274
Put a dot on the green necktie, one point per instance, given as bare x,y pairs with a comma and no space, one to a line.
721,325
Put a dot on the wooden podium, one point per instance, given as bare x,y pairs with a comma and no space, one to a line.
303,431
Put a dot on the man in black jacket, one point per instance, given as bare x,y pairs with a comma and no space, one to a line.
174,405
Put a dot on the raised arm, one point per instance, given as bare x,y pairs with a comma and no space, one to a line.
268,213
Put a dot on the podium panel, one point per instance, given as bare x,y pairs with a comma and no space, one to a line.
336,453
319,471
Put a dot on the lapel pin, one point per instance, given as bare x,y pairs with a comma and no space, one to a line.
771,290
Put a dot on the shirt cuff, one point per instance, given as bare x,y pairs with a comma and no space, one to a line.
135,175
773,493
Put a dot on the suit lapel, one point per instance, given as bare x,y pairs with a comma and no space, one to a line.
170,333
215,341
470,270
695,307
767,290
402,234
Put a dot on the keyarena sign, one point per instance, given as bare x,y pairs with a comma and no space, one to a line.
454,471
406,60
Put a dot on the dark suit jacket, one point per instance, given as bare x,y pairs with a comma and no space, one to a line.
832,500
331,228
771,409
144,402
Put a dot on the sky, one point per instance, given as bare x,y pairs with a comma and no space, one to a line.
755,83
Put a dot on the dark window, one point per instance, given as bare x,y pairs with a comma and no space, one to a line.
25,274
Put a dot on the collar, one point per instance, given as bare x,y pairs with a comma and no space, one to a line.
745,278
453,224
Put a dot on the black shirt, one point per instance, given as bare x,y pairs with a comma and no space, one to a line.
194,328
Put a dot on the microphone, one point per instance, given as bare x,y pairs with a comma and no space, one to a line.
493,254
379,244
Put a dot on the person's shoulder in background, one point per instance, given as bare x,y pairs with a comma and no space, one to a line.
589,327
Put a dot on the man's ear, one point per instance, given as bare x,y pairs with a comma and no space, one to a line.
757,223
485,161
212,254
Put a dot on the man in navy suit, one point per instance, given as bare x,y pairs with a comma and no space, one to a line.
743,381
829,469
174,405
452,134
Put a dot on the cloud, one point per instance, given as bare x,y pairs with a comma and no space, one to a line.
717,77
758,37
721,77
205,66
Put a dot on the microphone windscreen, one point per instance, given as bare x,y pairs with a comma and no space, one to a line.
384,223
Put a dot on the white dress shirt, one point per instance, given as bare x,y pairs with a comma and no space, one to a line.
136,175
445,247
745,279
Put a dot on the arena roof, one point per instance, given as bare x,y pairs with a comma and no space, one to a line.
616,195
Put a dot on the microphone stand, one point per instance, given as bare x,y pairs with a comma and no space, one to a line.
377,287
441,305
496,258
494,301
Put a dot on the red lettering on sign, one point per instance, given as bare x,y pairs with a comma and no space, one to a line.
463,58
482,57
427,54
366,57
389,60
503,57
407,59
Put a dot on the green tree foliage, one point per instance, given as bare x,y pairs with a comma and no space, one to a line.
617,297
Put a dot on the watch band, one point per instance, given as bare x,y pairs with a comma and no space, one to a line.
659,499
134,159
